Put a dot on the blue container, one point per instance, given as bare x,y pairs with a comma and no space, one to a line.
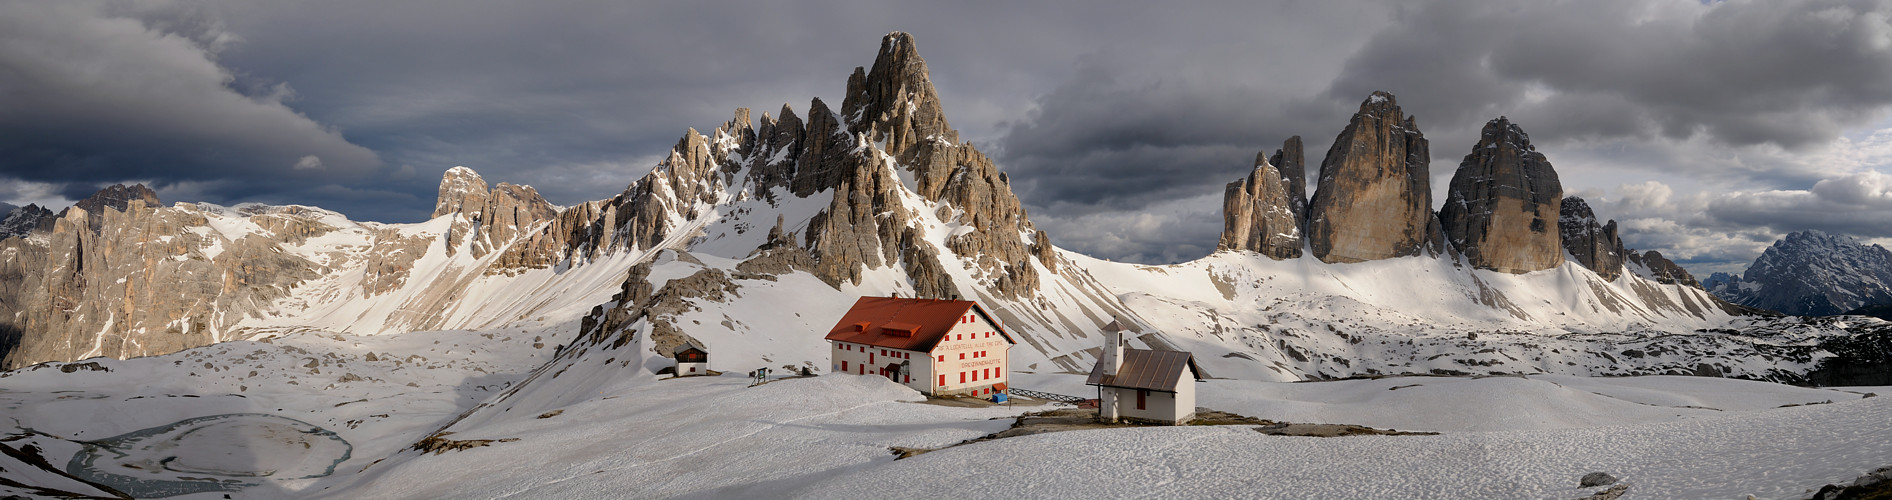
998,397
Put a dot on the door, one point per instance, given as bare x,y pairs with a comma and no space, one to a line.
1141,395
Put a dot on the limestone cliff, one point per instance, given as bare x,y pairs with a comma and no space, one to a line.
1258,215
1374,199
1502,202
488,218
1595,246
1293,166
149,281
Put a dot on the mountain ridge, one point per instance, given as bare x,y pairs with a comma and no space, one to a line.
1811,273
737,231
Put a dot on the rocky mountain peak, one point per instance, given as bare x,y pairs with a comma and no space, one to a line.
1374,199
1653,265
116,197
489,217
895,101
1812,273
23,220
1595,246
1258,214
462,191
1502,202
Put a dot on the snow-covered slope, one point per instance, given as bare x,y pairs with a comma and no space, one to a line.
630,434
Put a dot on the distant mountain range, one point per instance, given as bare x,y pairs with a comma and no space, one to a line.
1811,273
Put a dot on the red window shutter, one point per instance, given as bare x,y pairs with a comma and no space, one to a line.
942,358
942,379
962,355
870,358
962,377
843,366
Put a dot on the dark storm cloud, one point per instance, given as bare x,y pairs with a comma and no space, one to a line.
1743,73
97,93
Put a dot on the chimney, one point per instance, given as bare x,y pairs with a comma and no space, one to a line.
1113,348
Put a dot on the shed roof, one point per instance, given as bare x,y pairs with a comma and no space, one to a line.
688,346
906,324
1146,369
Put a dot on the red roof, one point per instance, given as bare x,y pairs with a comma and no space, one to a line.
905,324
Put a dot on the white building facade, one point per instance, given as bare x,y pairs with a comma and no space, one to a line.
1144,385
937,347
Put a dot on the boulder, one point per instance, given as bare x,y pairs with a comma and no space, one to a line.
1502,203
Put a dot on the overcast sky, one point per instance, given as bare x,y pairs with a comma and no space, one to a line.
1706,129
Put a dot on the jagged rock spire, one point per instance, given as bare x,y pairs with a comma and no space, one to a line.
1502,203
895,101
1258,215
1293,166
1595,246
1374,200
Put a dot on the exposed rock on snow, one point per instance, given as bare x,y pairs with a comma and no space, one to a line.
1653,265
147,281
1501,204
1595,479
1258,215
1375,195
1594,246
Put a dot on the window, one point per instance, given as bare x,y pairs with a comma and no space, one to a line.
942,379
962,355
844,366
1141,395
909,379
942,359
962,377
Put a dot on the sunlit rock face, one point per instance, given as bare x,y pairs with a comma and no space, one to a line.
1374,200
1502,207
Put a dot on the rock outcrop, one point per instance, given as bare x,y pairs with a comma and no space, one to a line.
489,218
1653,265
115,197
148,281
1502,202
1374,200
1258,215
1293,166
1595,246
